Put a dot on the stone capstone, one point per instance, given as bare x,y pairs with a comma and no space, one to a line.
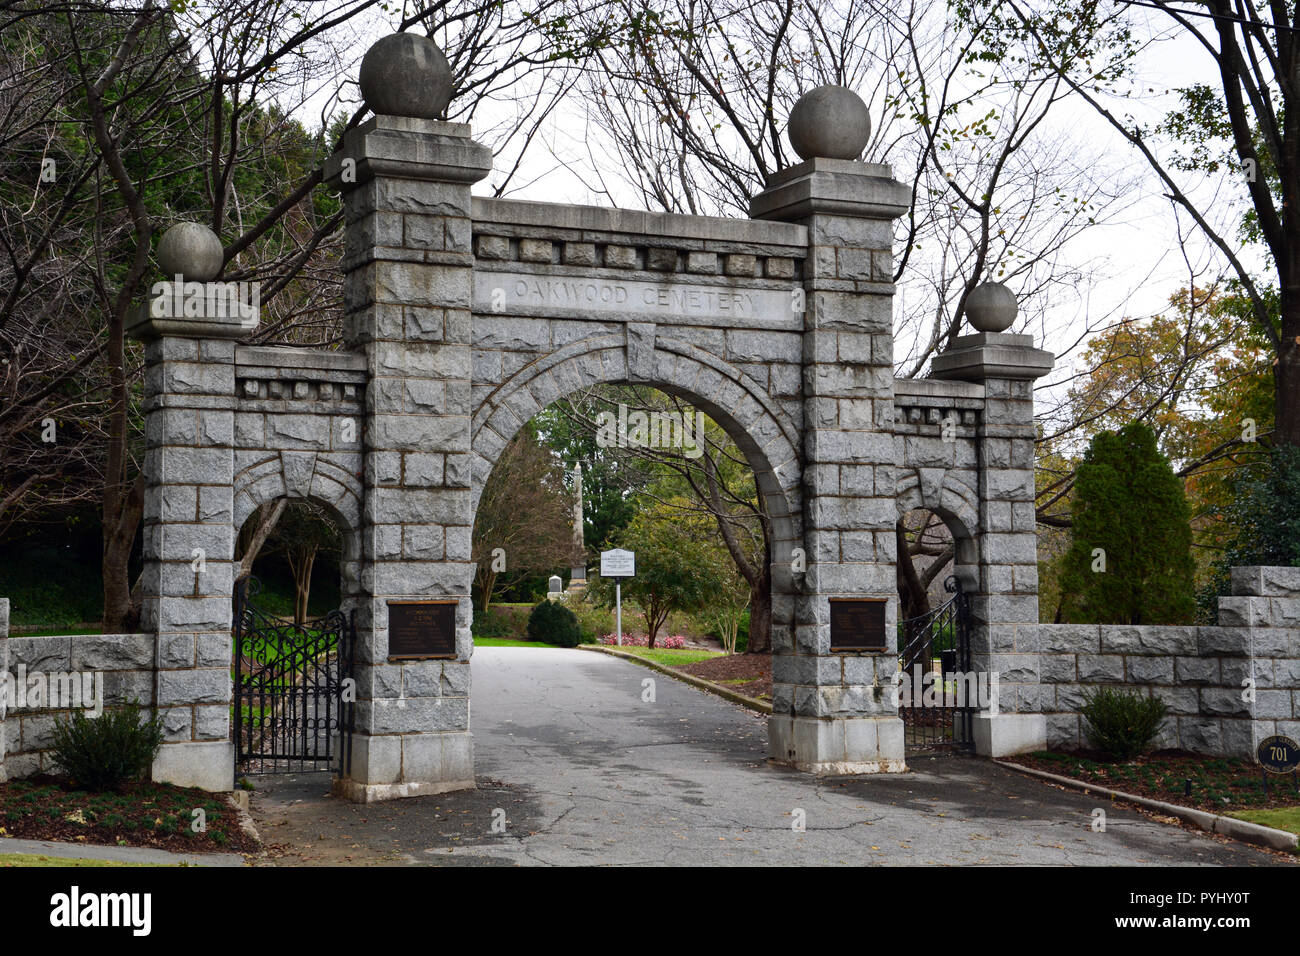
191,250
406,75
830,122
991,307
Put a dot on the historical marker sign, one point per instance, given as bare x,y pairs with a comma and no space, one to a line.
1278,754
421,629
858,624
617,564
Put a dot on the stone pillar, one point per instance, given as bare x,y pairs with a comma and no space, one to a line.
408,269
837,712
4,669
190,330
1260,620
1005,595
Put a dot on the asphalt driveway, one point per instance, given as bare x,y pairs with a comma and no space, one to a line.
576,765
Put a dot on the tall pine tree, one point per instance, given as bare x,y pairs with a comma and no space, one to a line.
1131,558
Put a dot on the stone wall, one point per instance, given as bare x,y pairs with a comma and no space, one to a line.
831,709
964,447
298,424
407,288
549,278
1199,672
123,662
4,700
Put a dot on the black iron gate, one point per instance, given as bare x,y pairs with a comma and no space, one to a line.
292,711
939,693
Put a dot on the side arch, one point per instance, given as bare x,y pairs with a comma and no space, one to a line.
304,476
939,491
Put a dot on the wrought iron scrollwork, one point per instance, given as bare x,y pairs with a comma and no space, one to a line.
290,712
940,637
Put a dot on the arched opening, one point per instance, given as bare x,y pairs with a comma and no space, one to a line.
293,548
611,466
932,546
293,637
936,571
759,435
703,500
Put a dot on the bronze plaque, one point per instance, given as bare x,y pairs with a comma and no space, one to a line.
421,629
858,624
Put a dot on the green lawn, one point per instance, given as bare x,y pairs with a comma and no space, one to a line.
506,642
1285,818
29,859
671,658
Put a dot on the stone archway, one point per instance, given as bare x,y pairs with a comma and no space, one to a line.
760,428
464,316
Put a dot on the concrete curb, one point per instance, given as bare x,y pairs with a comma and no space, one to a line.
1243,830
116,854
239,800
751,703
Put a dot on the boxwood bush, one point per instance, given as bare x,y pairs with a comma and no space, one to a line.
103,752
1122,724
553,623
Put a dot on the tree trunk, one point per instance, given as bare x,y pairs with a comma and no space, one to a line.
1286,374
654,619
117,587
760,613
913,599
124,510
302,585
758,578
122,503
265,525
485,580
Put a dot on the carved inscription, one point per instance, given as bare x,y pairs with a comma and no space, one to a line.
519,293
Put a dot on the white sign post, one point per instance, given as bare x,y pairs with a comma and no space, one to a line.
618,564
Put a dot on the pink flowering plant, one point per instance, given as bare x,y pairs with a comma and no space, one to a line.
675,642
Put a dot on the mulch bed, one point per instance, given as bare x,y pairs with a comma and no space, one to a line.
748,674
143,814
1217,783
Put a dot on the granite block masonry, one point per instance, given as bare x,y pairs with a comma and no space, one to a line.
464,317
407,293
835,712
1226,687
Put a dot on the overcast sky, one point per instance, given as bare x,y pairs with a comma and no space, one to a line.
1138,260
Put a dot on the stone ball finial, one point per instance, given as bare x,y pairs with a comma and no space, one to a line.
405,74
991,307
192,250
830,122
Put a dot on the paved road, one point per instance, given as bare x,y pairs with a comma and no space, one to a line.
584,771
